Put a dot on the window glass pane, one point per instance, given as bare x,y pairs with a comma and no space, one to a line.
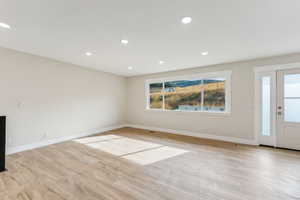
156,96
292,85
183,95
266,106
214,94
292,110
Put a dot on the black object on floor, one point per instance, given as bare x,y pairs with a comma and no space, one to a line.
2,142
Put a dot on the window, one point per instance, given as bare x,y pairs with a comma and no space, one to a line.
198,93
156,95
266,105
292,98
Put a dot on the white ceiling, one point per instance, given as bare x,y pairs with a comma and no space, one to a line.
230,30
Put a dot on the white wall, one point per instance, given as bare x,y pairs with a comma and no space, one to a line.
46,99
240,124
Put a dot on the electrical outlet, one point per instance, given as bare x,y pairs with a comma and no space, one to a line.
45,135
9,141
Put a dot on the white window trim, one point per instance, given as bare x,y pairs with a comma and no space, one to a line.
219,74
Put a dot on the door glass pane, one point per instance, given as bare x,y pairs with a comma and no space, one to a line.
292,85
183,95
266,106
156,96
292,110
214,94
292,98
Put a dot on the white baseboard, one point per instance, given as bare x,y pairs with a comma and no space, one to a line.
199,135
12,150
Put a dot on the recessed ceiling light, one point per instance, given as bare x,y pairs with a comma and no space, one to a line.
124,42
130,68
186,20
88,54
161,62
204,53
3,25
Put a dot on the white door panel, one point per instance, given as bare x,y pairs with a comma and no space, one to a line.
288,109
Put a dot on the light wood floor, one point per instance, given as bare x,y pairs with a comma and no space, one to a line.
192,169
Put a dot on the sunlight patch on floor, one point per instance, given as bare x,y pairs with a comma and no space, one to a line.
155,155
96,139
123,146
138,151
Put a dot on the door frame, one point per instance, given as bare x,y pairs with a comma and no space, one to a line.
268,70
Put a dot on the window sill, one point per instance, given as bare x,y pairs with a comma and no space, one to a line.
208,113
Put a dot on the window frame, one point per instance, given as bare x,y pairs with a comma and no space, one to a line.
220,74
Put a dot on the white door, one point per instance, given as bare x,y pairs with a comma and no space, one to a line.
266,104
288,109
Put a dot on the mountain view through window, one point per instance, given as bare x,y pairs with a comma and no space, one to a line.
189,95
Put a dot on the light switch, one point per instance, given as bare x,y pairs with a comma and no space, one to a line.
20,104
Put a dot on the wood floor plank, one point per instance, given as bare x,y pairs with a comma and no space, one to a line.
206,170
